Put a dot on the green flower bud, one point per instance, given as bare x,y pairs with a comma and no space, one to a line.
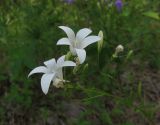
100,43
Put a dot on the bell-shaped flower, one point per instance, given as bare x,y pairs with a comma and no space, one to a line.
78,42
52,71
119,5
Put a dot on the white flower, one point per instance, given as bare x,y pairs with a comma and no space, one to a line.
52,70
78,42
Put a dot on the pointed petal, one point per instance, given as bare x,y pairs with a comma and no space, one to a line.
89,40
68,63
45,82
81,53
40,69
60,60
64,41
50,63
81,34
69,32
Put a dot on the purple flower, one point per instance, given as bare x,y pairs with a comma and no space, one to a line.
119,5
69,1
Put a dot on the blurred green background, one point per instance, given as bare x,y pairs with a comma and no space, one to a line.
111,91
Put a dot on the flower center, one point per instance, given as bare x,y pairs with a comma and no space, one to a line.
76,44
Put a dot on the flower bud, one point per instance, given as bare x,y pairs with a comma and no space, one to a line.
119,49
100,43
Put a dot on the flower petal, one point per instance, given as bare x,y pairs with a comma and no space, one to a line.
64,41
81,53
68,63
50,63
45,82
81,34
89,40
60,60
72,50
69,32
40,69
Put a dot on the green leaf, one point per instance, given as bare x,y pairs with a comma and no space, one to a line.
152,14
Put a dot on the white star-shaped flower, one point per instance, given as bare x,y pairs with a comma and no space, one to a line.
52,71
78,42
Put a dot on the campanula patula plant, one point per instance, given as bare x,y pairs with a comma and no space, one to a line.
109,77
53,69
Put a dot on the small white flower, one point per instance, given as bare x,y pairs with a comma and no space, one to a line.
78,42
52,71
